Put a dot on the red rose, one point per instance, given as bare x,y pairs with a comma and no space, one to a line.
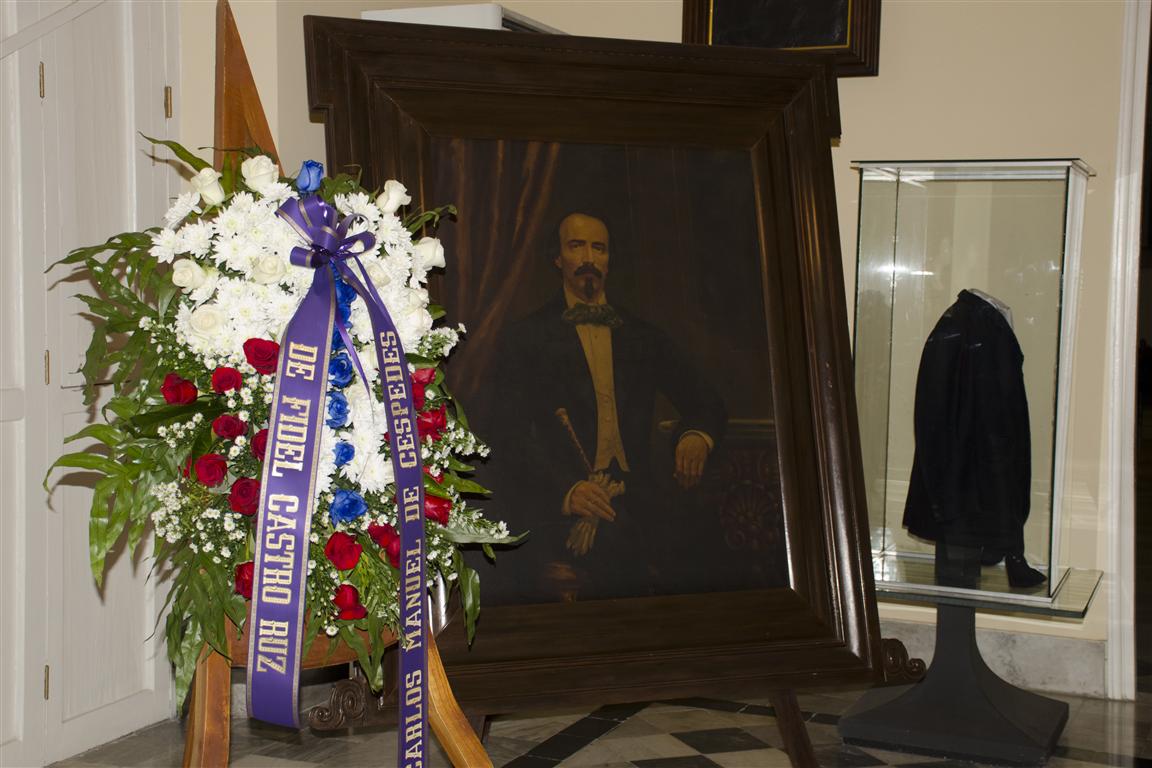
436,508
347,599
388,540
187,468
243,579
432,423
225,378
245,496
177,391
210,469
343,550
229,426
263,355
421,378
260,444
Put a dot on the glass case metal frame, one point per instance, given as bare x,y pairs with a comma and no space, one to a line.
890,253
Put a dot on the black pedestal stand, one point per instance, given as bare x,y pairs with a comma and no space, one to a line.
960,709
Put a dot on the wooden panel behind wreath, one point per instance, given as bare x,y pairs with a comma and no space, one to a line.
847,29
697,185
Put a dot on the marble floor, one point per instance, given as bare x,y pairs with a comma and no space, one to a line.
690,733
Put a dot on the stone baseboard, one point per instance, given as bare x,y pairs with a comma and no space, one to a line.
1036,662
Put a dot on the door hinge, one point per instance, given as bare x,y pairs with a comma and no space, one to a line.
41,79
168,102
47,680
47,366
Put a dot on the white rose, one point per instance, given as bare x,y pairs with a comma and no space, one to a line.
207,288
207,183
377,275
412,318
268,268
188,275
427,253
394,195
207,320
259,173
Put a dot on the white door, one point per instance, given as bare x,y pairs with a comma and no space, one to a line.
78,666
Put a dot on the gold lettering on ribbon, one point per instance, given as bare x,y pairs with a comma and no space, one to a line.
394,375
410,505
301,362
413,595
272,645
288,443
413,733
278,565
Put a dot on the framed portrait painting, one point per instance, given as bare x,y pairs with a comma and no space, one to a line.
645,257
848,30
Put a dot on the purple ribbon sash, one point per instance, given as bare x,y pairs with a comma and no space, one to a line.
288,485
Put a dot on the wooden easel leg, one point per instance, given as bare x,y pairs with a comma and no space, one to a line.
209,715
480,725
448,721
791,725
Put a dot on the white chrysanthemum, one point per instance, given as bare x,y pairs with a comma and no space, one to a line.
231,221
279,192
241,202
229,252
391,233
185,204
164,246
369,469
360,204
326,460
280,306
246,302
195,238
298,280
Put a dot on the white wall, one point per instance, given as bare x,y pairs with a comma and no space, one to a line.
958,79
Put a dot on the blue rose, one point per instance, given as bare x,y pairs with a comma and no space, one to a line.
344,313
337,341
346,506
344,292
340,371
337,410
308,180
344,452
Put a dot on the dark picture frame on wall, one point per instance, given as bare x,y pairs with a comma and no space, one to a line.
699,184
847,29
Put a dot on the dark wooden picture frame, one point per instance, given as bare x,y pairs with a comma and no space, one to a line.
392,94
847,29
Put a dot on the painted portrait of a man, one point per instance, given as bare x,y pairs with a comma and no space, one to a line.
605,361
580,377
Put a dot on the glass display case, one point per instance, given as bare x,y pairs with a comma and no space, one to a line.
932,236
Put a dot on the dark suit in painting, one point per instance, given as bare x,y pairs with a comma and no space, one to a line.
972,471
543,368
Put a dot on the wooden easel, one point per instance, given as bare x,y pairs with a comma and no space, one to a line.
207,738
239,114
240,122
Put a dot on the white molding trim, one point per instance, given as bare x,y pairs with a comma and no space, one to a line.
1120,412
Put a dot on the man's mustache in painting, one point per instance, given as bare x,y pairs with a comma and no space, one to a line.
589,269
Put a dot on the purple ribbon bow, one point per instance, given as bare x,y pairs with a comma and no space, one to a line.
288,487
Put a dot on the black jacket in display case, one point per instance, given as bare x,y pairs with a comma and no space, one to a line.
972,471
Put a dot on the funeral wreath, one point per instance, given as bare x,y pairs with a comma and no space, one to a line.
189,318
